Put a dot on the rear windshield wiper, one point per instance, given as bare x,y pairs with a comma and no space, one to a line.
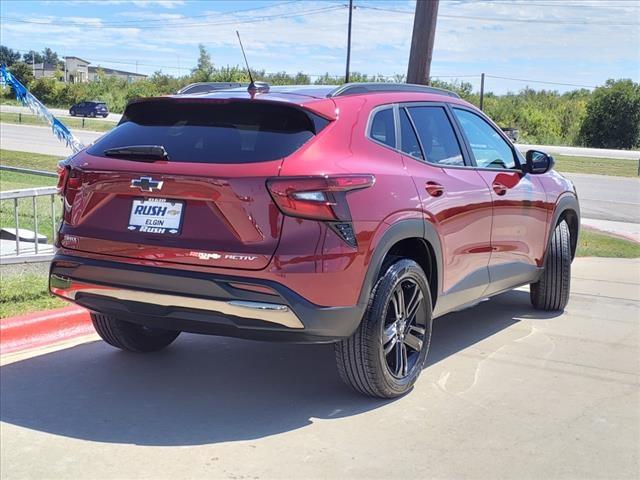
144,153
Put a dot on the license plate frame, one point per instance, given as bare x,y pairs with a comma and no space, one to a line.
145,217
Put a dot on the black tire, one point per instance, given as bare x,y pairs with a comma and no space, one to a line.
362,362
105,115
92,115
72,113
130,336
551,291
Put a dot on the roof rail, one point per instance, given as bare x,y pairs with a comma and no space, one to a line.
360,88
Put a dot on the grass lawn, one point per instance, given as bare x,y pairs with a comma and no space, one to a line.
35,161
597,166
10,101
26,293
597,244
72,123
15,181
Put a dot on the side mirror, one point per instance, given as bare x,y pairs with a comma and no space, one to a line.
539,162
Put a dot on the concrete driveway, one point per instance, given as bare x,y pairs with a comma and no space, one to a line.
508,392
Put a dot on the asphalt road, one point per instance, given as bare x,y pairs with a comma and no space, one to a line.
608,198
35,139
601,197
509,392
57,112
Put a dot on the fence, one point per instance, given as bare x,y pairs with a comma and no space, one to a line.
24,250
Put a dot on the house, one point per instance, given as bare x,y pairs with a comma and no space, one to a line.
44,70
78,70
110,72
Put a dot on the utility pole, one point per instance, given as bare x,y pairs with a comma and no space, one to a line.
424,32
346,75
33,64
481,91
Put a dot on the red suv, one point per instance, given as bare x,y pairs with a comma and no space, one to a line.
353,215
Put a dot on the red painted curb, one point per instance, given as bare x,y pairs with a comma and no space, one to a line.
43,328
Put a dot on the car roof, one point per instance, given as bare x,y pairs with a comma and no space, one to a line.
301,94
323,100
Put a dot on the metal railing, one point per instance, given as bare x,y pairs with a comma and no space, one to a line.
27,251
29,171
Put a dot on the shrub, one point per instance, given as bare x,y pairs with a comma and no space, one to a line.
612,119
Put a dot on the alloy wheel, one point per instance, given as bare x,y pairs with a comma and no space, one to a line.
404,328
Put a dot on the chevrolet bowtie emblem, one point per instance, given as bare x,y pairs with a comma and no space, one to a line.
146,184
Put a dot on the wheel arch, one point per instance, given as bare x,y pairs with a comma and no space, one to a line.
411,238
568,209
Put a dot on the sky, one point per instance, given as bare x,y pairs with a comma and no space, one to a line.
575,42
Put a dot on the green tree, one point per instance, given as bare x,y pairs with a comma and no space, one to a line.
204,70
22,71
46,90
32,56
49,56
464,89
612,119
8,56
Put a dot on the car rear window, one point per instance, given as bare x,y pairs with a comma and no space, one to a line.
235,132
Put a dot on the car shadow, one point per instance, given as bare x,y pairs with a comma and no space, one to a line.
205,390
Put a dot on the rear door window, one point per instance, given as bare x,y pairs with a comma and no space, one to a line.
437,137
235,132
410,144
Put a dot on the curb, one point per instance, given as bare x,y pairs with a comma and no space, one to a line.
43,328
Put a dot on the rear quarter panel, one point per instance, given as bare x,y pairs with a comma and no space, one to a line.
343,148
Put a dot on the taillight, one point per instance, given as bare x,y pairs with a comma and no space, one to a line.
63,173
317,198
69,179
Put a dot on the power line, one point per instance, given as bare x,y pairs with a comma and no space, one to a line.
540,81
516,20
200,24
189,17
168,21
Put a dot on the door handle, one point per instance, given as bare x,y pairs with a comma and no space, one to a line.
499,188
434,189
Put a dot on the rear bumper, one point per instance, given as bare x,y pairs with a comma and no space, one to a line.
198,302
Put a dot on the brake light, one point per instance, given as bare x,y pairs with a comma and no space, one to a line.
67,177
69,180
318,198
63,173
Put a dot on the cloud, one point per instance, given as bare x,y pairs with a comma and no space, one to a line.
139,3
523,41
